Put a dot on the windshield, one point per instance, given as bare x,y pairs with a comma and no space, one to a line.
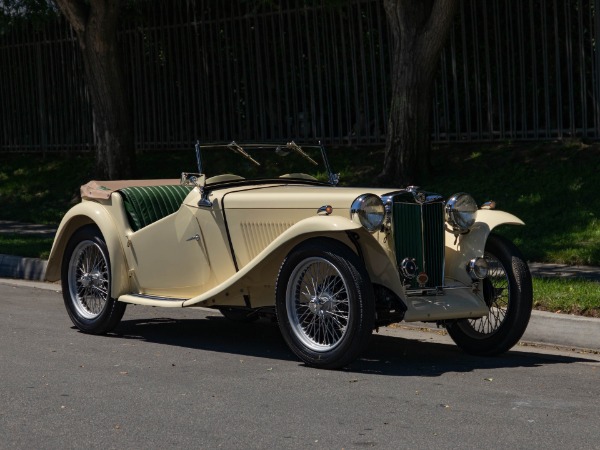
265,161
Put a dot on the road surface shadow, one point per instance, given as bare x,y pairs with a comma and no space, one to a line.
389,355
386,355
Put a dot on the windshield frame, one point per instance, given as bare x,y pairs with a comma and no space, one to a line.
332,177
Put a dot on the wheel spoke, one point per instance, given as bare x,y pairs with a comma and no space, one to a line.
88,279
318,304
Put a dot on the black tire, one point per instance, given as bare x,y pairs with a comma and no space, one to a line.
325,303
508,291
86,283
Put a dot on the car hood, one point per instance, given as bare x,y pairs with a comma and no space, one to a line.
295,197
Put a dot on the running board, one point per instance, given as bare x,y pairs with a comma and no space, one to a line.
152,300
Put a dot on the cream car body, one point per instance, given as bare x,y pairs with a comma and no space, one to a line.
224,246
164,264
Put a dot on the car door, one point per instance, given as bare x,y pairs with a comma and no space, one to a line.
169,257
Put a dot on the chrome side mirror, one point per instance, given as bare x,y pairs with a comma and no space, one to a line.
188,179
197,180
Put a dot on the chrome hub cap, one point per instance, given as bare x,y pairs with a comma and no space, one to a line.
91,279
321,305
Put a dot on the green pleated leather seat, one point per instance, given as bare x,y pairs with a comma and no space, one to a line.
147,204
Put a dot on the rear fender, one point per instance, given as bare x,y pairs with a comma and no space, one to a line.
459,251
105,217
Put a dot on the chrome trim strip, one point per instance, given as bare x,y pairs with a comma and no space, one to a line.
434,292
158,297
419,196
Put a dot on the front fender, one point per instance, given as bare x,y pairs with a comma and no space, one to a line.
87,213
459,251
264,268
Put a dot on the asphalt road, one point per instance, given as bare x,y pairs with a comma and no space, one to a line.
192,379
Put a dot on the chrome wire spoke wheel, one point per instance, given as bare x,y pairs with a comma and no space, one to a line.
325,305
86,283
318,304
496,289
88,279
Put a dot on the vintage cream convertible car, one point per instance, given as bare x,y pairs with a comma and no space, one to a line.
280,238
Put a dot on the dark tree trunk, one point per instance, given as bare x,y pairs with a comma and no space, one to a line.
418,30
95,23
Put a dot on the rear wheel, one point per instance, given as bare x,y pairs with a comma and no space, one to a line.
325,303
508,293
86,283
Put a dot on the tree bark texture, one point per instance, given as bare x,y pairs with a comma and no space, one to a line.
418,30
95,23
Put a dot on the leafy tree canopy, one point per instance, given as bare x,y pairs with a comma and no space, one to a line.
17,12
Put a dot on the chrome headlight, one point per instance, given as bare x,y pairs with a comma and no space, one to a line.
461,212
368,211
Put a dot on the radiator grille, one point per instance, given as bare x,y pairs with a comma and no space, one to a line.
419,234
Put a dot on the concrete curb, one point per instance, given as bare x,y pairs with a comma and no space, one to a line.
22,268
551,329
564,330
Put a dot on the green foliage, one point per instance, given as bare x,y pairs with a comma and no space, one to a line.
29,246
19,12
35,189
553,187
581,297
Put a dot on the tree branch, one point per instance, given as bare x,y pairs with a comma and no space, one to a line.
440,19
76,12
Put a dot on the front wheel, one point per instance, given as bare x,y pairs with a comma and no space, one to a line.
325,303
508,293
86,282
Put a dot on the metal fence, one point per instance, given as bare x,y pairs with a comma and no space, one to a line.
522,69
220,70
512,69
43,101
